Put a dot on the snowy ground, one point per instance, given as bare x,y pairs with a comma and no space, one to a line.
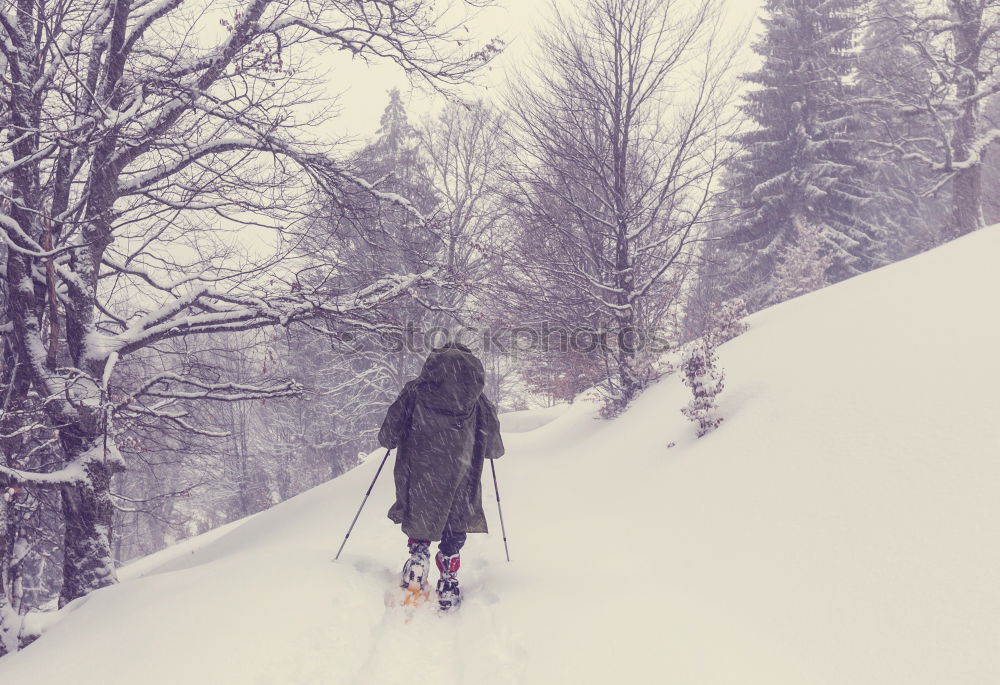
841,527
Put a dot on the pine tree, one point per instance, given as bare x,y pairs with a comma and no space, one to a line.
391,239
395,153
801,162
889,66
991,166
350,373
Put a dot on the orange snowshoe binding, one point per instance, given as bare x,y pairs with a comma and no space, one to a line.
415,571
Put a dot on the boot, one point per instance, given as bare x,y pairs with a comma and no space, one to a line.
415,572
448,591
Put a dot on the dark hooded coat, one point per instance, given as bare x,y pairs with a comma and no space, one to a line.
443,427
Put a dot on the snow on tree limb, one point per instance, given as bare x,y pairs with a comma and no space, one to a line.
74,473
125,138
205,310
164,385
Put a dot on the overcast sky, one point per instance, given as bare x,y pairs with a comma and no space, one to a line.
365,87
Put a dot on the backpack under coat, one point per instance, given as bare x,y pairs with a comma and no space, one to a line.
443,428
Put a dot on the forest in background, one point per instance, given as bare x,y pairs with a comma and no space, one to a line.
632,192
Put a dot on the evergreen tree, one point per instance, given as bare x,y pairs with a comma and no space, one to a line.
991,165
387,237
801,162
889,68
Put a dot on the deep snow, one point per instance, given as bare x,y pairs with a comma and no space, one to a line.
841,527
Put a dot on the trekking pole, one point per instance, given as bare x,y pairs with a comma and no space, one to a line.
370,488
503,530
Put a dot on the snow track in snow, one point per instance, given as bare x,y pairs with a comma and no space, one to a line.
429,647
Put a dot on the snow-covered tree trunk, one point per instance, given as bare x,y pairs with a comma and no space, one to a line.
88,561
10,621
10,627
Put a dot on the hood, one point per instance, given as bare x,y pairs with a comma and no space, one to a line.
452,380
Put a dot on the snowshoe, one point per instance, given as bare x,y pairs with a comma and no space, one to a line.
449,594
414,577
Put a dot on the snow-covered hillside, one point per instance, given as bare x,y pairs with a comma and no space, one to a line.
842,527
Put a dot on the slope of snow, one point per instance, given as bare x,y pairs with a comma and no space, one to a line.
842,526
530,419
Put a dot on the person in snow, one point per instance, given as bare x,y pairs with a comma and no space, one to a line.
443,429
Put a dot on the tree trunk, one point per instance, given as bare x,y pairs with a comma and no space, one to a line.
967,201
967,192
88,563
9,627
625,347
625,312
8,617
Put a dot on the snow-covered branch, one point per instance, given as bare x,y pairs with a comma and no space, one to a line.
175,386
76,472
135,152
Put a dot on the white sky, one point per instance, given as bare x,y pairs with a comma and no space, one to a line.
365,86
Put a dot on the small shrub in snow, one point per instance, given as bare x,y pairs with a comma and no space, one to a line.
725,321
699,364
701,374
803,264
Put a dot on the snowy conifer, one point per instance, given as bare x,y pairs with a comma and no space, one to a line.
890,67
946,72
801,160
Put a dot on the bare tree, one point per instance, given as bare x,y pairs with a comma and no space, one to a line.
468,161
132,153
467,156
622,129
